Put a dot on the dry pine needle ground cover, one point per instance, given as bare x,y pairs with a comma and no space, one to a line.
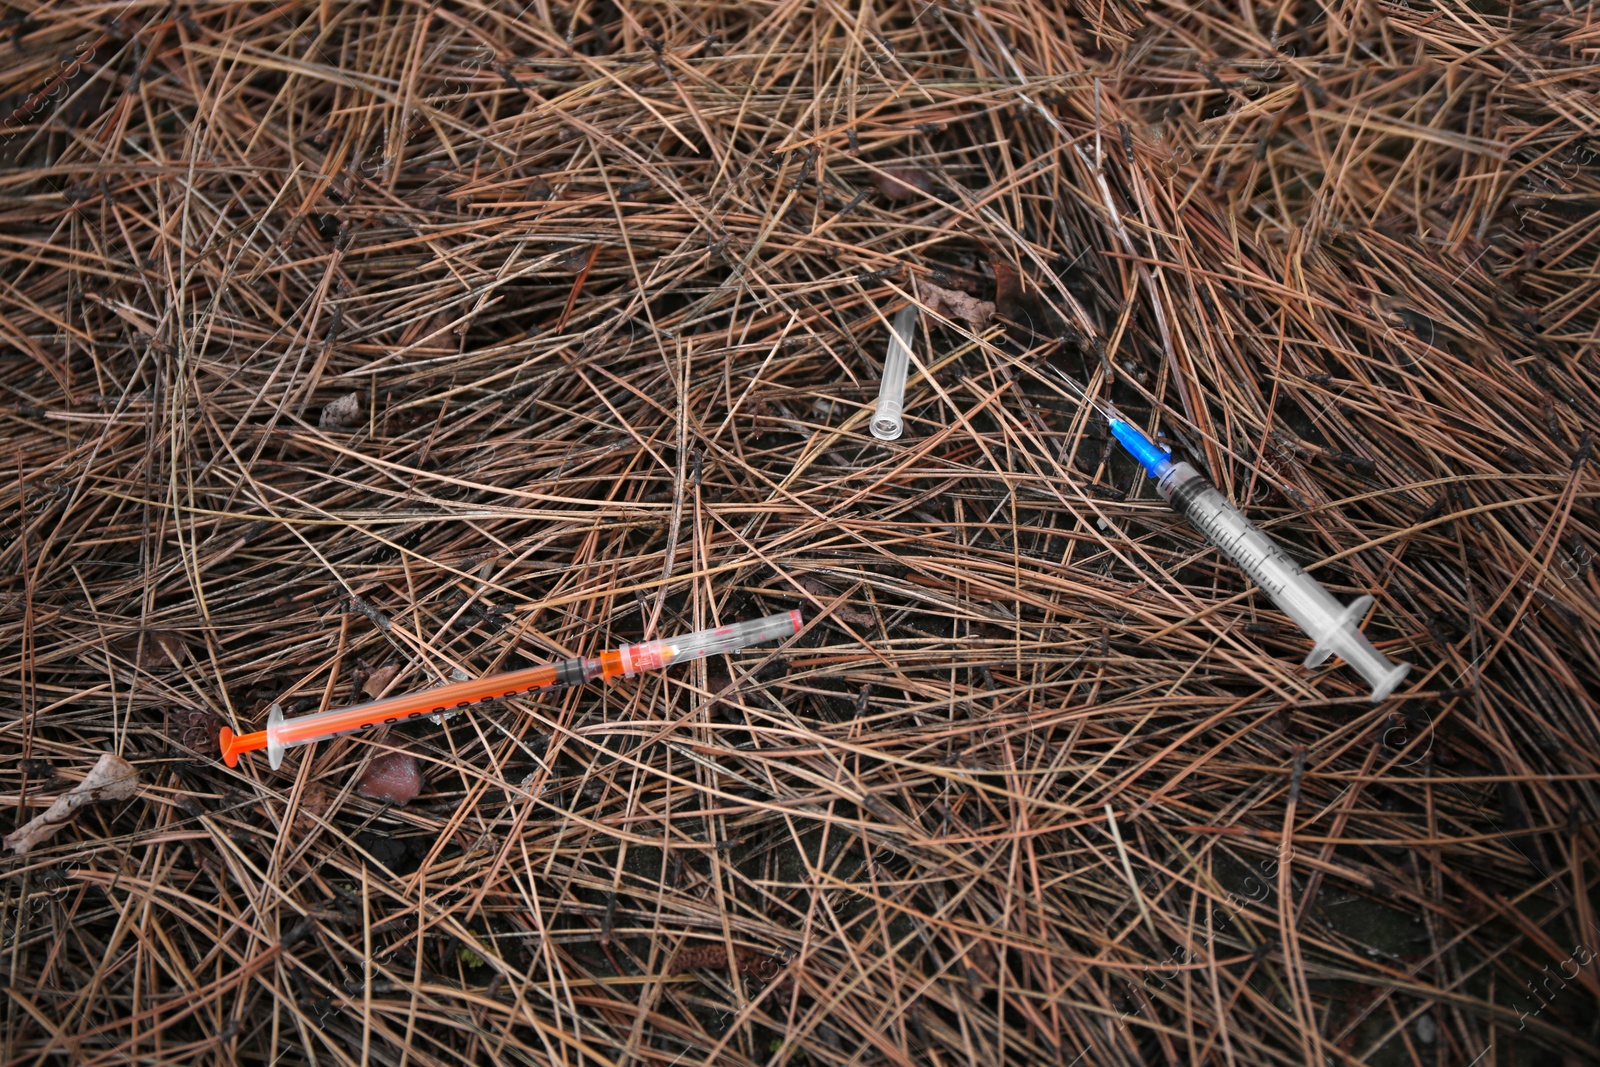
358,345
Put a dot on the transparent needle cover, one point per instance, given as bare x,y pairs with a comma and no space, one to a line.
886,422
732,637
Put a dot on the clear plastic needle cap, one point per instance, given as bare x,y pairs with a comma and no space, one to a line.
886,422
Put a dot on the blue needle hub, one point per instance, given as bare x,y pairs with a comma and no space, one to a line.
1150,456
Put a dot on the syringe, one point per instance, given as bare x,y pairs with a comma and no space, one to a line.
1331,626
624,662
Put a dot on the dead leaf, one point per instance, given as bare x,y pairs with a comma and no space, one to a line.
953,303
903,182
842,612
159,648
346,411
1018,309
573,259
379,680
113,778
313,804
1007,285
761,965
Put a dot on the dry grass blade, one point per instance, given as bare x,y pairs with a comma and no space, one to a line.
348,347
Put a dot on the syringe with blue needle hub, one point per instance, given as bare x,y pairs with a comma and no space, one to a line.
1331,625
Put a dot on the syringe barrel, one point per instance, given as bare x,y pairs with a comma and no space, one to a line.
1331,625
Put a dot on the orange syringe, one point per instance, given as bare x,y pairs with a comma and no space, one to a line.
624,662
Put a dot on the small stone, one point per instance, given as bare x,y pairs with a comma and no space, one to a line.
572,260
393,776
151,649
1427,1029
388,851
346,411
